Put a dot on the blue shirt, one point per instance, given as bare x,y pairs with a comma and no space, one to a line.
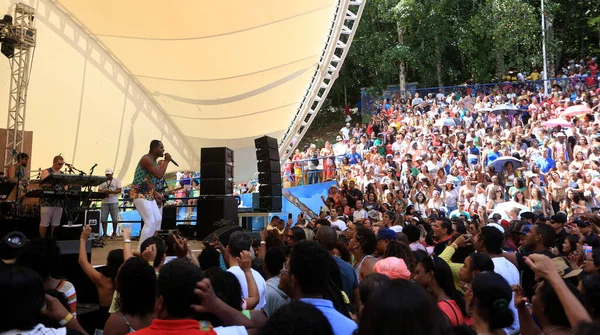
353,158
340,324
349,277
491,156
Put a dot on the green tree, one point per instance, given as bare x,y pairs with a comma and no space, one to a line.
501,35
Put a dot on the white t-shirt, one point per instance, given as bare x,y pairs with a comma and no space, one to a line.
345,133
359,215
510,273
110,185
39,329
260,283
340,224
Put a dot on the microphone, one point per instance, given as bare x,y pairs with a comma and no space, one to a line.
93,167
174,162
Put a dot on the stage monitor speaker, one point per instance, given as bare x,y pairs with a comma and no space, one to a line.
80,218
268,166
169,217
216,186
270,204
216,170
213,209
223,234
266,142
216,155
267,154
69,269
270,190
269,178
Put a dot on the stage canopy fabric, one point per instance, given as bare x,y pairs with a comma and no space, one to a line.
109,76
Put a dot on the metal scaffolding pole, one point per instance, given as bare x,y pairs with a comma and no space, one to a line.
18,44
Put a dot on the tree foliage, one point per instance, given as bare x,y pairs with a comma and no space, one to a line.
447,42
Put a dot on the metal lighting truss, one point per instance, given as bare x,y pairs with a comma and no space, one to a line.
21,35
341,33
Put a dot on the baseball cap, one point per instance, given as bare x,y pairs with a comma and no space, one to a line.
525,229
497,226
386,234
347,124
582,223
108,171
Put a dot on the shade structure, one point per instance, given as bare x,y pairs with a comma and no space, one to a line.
110,76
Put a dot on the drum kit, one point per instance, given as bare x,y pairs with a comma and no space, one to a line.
17,205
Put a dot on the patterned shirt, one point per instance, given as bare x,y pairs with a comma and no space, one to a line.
144,182
68,290
52,201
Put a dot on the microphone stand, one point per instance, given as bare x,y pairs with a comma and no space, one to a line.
73,168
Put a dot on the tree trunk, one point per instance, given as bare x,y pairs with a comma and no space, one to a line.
438,61
402,65
499,63
550,47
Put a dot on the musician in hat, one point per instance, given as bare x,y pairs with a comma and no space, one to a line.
110,204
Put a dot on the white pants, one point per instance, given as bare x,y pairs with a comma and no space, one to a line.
152,216
50,214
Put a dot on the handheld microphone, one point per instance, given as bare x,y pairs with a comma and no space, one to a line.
93,167
174,162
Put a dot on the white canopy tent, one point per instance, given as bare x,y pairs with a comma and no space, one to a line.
109,76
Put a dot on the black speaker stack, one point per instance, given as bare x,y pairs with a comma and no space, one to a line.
269,175
216,201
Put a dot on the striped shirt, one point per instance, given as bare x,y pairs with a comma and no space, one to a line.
68,290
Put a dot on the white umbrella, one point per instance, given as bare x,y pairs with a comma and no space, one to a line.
508,109
505,207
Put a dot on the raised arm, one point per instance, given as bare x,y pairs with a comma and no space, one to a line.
245,262
210,303
87,268
544,268
126,233
159,172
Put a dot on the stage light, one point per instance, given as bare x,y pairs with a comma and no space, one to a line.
11,244
8,49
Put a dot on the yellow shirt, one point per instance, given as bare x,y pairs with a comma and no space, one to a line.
454,267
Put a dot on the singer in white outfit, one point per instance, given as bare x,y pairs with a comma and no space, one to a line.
143,192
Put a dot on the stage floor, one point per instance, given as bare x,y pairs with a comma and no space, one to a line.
99,254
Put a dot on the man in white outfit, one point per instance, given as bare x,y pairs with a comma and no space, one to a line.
143,189
110,204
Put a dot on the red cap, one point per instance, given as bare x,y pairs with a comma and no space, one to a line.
505,223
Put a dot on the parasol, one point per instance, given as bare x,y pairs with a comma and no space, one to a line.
508,109
499,163
576,111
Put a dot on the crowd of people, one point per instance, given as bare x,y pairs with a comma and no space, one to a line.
452,215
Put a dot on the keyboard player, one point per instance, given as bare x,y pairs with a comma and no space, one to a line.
51,207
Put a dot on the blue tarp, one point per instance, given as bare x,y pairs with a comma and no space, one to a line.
308,195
